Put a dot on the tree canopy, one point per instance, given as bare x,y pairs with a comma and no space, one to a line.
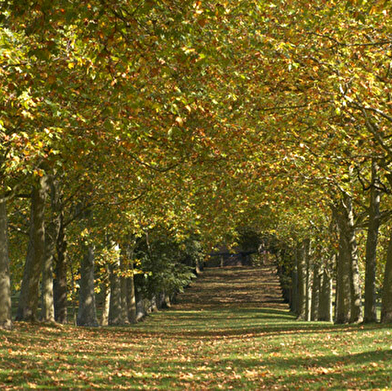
196,117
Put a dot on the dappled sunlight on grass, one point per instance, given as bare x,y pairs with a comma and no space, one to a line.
226,340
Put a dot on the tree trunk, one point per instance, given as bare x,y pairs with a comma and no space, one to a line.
124,266
371,248
343,286
355,280
51,236
129,281
29,295
316,292
131,297
308,280
301,271
60,283
325,301
349,297
5,285
115,296
294,289
386,306
87,313
106,305
141,311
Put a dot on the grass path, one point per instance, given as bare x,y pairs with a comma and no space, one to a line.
230,330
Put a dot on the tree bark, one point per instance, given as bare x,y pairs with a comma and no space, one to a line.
51,235
141,310
29,295
87,313
106,305
343,286
371,248
60,283
124,266
308,280
131,298
115,295
5,285
325,302
301,271
349,297
356,291
294,289
316,292
386,306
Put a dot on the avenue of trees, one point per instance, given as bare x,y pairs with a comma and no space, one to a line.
135,135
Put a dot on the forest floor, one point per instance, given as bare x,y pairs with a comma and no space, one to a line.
230,330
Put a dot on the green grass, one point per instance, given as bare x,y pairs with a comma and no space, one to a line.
206,342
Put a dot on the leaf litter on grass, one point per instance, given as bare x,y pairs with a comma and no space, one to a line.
229,330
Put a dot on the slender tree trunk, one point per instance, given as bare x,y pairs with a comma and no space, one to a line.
349,286
308,280
325,302
115,295
141,311
51,237
124,266
47,310
60,283
316,292
371,248
343,273
294,287
5,285
87,313
131,298
386,306
356,310
28,300
106,305
301,269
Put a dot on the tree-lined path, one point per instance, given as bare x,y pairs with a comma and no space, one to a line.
229,330
234,287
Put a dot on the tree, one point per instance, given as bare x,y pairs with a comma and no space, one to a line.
28,301
5,285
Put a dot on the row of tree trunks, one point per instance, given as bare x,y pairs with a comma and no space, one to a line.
310,296
311,289
48,245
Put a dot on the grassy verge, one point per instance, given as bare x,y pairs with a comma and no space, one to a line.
209,346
